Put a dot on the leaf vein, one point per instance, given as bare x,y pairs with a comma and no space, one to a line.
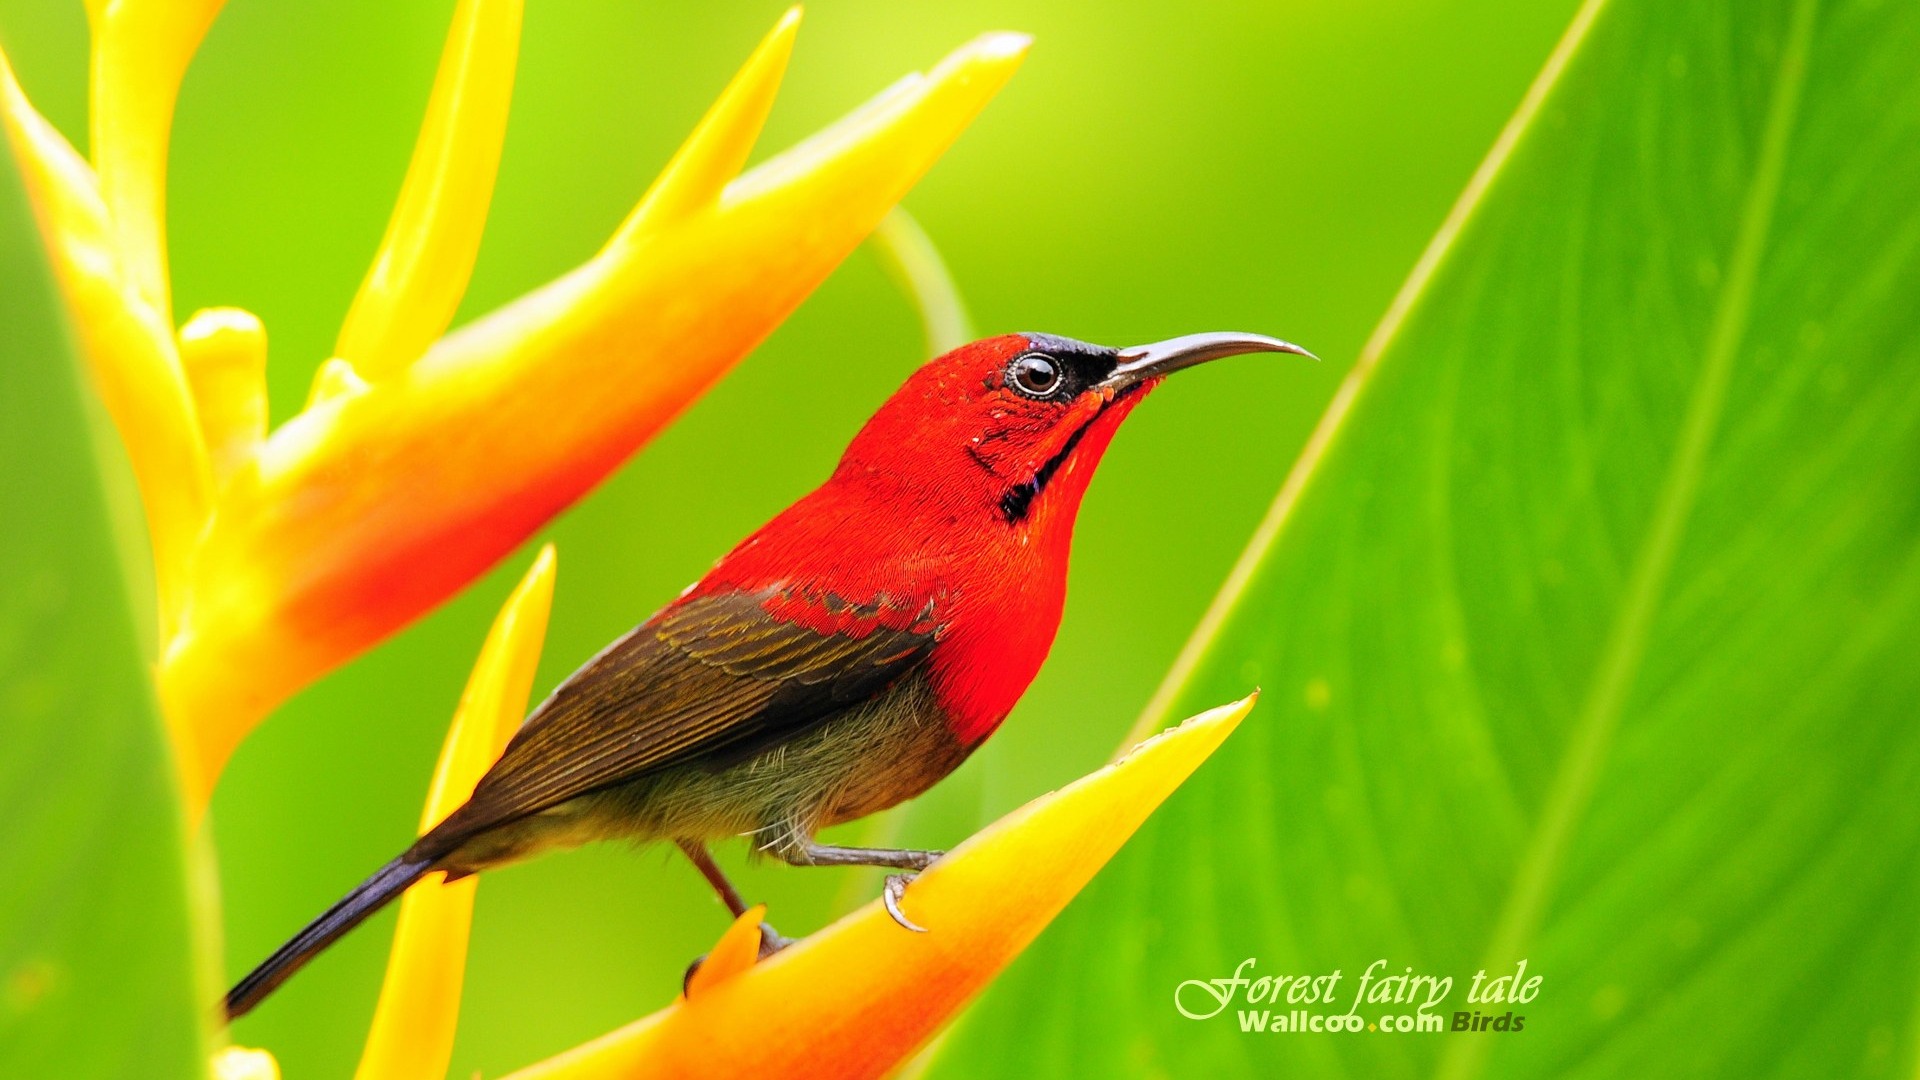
1599,717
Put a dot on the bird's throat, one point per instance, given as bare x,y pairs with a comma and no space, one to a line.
1017,501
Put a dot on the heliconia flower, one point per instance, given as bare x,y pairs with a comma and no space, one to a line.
418,462
861,997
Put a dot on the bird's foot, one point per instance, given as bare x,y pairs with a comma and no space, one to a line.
910,861
771,941
890,895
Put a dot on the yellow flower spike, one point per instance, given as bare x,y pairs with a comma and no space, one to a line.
224,353
413,1026
426,257
141,49
737,950
717,150
240,1063
370,508
127,342
860,997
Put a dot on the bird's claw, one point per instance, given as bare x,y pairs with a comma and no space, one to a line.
896,887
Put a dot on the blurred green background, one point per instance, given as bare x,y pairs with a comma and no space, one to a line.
1153,170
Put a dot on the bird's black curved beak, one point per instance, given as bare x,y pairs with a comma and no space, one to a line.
1143,362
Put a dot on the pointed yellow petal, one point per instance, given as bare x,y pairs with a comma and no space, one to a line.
495,699
718,148
128,345
737,950
426,257
240,1063
367,510
858,998
141,49
224,352
413,1026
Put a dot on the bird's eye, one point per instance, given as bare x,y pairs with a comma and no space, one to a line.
1034,375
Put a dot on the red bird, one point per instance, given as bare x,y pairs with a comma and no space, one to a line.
841,660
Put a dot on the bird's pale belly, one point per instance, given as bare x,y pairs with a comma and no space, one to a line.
873,756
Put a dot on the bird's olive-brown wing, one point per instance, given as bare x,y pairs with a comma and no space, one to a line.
714,678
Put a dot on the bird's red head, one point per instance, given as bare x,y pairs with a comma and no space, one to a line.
1012,426
981,433
954,506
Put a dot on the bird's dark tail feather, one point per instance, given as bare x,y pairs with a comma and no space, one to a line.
372,894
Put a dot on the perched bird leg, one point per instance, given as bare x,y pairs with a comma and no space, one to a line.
710,870
771,940
912,860
809,853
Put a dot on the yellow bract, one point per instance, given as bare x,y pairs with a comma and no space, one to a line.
224,354
141,49
412,1034
418,464
417,280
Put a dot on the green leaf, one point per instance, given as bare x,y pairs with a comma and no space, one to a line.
98,970
1589,625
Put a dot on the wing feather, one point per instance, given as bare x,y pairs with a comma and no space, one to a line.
707,679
